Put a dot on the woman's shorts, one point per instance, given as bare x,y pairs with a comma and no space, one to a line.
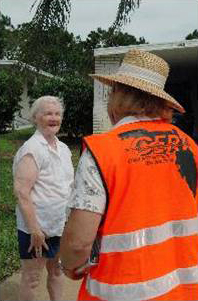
24,243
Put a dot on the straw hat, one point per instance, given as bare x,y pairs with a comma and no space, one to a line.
144,71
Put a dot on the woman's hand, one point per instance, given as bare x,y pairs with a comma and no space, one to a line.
75,274
37,242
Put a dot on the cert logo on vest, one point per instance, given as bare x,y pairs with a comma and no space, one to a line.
161,147
153,147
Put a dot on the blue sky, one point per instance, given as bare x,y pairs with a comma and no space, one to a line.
157,20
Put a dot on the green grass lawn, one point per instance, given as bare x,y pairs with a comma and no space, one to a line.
9,143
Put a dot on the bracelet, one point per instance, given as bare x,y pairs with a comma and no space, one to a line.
78,269
62,267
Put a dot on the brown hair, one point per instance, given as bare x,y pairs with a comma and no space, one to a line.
126,101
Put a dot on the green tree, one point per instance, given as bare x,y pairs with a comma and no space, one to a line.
125,8
5,29
51,13
57,51
11,49
110,38
57,12
10,92
193,35
105,38
46,44
54,50
49,50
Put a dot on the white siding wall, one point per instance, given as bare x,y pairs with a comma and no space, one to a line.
103,65
22,119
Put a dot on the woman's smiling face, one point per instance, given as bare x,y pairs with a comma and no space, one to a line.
48,119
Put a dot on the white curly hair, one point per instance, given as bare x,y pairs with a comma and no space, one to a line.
37,104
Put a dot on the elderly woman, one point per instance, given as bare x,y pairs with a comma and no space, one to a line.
43,174
136,195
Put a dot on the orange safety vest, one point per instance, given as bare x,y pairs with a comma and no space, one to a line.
149,236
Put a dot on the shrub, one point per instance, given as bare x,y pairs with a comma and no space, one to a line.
10,91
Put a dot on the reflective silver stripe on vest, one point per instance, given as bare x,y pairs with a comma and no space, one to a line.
148,236
142,290
142,73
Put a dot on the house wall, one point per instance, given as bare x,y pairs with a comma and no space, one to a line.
22,118
105,65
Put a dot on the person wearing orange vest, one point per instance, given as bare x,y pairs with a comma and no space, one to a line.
135,195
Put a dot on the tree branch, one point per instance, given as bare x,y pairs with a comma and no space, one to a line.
125,8
52,13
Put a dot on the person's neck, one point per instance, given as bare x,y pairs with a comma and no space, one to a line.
51,139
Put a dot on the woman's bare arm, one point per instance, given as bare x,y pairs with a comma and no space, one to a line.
24,180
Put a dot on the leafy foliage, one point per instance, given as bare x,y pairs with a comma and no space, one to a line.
5,25
193,35
125,8
57,12
77,95
10,91
51,13
57,51
105,38
110,38
49,50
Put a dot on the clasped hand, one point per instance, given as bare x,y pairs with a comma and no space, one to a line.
76,274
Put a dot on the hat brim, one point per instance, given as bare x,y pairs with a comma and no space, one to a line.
141,85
